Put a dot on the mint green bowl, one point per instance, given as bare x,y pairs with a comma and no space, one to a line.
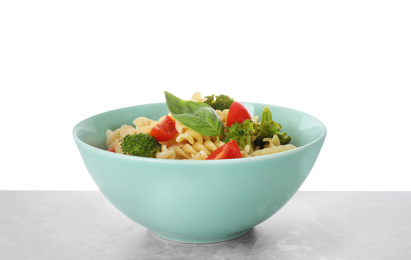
199,201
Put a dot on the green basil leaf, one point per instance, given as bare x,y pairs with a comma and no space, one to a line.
266,116
196,115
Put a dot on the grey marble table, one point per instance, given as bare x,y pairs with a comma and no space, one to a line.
313,225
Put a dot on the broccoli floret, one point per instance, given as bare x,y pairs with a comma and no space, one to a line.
268,128
143,145
219,102
284,138
242,133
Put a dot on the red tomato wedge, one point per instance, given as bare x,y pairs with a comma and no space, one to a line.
165,130
229,150
237,113
111,149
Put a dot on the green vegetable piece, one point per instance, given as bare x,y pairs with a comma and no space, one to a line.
242,133
143,145
196,115
267,115
268,128
284,138
219,102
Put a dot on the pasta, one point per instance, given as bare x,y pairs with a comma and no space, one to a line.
273,146
272,150
114,137
189,144
223,115
144,124
166,153
187,134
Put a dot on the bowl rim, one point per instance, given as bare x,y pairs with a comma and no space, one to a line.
186,162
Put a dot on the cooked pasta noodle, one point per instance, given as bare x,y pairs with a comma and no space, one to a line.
273,141
273,146
273,149
144,124
245,153
200,156
118,134
142,121
117,146
166,153
180,153
112,136
187,134
197,97
126,130
223,115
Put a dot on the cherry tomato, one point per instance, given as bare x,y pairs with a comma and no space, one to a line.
229,150
237,113
165,130
111,149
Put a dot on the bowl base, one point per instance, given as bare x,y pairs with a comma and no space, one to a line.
192,240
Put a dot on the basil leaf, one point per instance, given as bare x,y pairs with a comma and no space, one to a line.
266,116
196,115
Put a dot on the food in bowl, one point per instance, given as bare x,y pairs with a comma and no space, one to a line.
209,128
199,201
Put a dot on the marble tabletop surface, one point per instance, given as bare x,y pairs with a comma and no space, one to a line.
312,226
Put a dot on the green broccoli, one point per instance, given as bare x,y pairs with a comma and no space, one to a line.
219,102
267,128
242,133
143,145
284,138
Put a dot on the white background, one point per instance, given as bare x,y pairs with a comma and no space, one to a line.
348,63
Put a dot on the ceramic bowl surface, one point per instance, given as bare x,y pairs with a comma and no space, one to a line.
199,201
